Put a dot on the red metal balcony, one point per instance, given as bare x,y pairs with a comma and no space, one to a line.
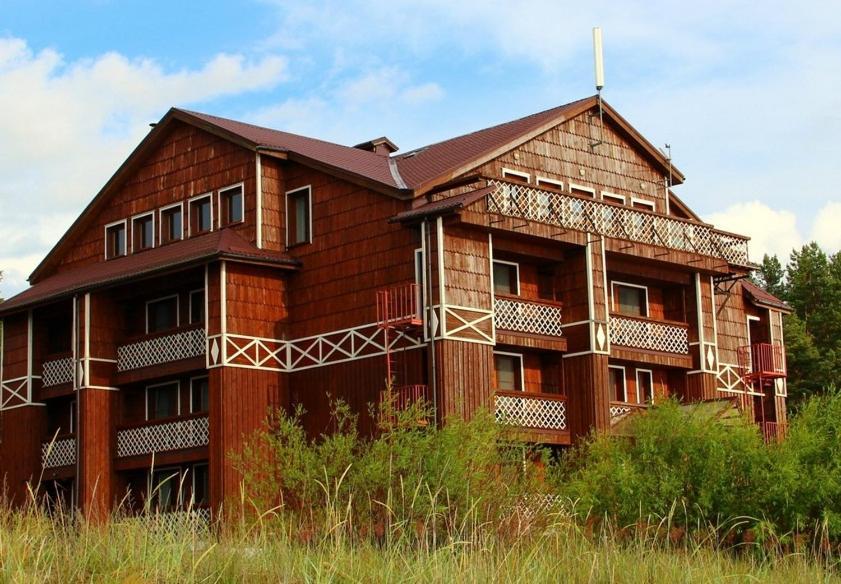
399,306
774,431
762,361
402,398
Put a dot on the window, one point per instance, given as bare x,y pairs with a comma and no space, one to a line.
550,182
509,371
115,240
201,215
231,205
172,224
583,191
201,485
162,314
199,395
164,488
506,278
298,216
645,386
196,306
143,232
618,390
162,400
612,198
630,299
420,280
516,175
642,204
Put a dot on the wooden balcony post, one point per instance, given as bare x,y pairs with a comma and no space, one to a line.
701,380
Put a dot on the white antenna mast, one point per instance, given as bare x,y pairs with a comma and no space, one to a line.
599,71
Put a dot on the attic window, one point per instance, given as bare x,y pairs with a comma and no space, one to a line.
582,191
516,176
231,205
201,214
143,232
642,204
550,183
115,240
172,223
613,198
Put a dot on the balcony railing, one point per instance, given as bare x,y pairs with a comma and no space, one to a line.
651,335
399,305
774,431
539,317
538,411
160,349
57,371
177,434
59,452
611,220
762,360
620,408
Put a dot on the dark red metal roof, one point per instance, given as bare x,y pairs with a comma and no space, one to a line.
225,243
442,206
763,297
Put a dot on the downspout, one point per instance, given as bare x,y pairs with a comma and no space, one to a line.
426,233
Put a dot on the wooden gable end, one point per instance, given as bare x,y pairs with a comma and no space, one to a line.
186,162
618,165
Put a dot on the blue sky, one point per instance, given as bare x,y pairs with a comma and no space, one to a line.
749,98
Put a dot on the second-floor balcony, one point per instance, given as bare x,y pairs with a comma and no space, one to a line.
59,451
531,411
163,436
162,348
649,334
538,317
57,370
762,361
613,220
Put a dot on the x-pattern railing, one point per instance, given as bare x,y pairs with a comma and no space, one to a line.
539,318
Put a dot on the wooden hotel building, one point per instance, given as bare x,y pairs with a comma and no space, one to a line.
541,268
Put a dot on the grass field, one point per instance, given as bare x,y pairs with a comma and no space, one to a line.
35,548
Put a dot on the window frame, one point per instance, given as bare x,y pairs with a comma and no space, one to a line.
193,483
650,373
510,172
134,219
190,203
286,195
222,204
124,223
177,311
420,270
650,205
624,381
591,192
177,383
617,199
613,305
190,294
192,405
522,377
550,182
516,275
173,473
161,211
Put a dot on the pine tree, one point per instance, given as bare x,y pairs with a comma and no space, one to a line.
771,276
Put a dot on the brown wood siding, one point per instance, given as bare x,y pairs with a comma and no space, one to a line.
256,301
464,377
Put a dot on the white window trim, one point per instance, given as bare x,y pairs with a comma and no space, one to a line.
624,381
134,218
177,309
419,263
551,182
190,295
511,172
192,379
163,384
614,198
650,377
161,212
652,206
522,369
576,187
613,284
307,188
516,272
219,193
124,223
190,212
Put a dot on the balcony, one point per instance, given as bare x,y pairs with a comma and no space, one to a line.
619,409
541,412
762,361
57,370
175,434
162,348
402,398
537,317
611,220
59,452
649,335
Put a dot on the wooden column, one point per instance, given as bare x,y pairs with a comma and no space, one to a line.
701,381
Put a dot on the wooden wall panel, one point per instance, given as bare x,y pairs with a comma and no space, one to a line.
21,432
256,301
273,182
588,395
731,324
464,377
467,268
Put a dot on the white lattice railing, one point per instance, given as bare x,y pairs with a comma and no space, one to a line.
57,371
535,317
59,452
539,411
174,435
649,334
618,409
571,212
163,349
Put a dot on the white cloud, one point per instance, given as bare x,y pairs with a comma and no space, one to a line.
772,231
827,228
66,126
423,93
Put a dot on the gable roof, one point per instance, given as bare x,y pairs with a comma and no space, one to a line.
764,298
225,243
